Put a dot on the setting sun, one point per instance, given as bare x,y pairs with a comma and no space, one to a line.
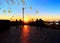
26,20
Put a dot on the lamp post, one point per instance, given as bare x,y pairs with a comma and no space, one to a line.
23,14
23,8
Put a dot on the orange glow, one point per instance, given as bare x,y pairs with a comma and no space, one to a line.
26,20
25,34
25,26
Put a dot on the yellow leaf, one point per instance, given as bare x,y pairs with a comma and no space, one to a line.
12,2
9,11
22,0
18,4
4,11
12,16
36,11
30,8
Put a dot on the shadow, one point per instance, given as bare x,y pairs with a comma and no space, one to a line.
39,28
4,25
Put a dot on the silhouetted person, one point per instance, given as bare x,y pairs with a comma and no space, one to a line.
20,22
36,23
54,25
16,23
41,23
59,24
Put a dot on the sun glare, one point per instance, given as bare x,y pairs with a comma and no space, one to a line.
26,20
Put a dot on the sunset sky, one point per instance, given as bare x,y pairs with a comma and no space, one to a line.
45,9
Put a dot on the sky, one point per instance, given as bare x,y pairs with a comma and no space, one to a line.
44,9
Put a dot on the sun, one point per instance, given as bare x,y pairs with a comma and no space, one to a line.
26,20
